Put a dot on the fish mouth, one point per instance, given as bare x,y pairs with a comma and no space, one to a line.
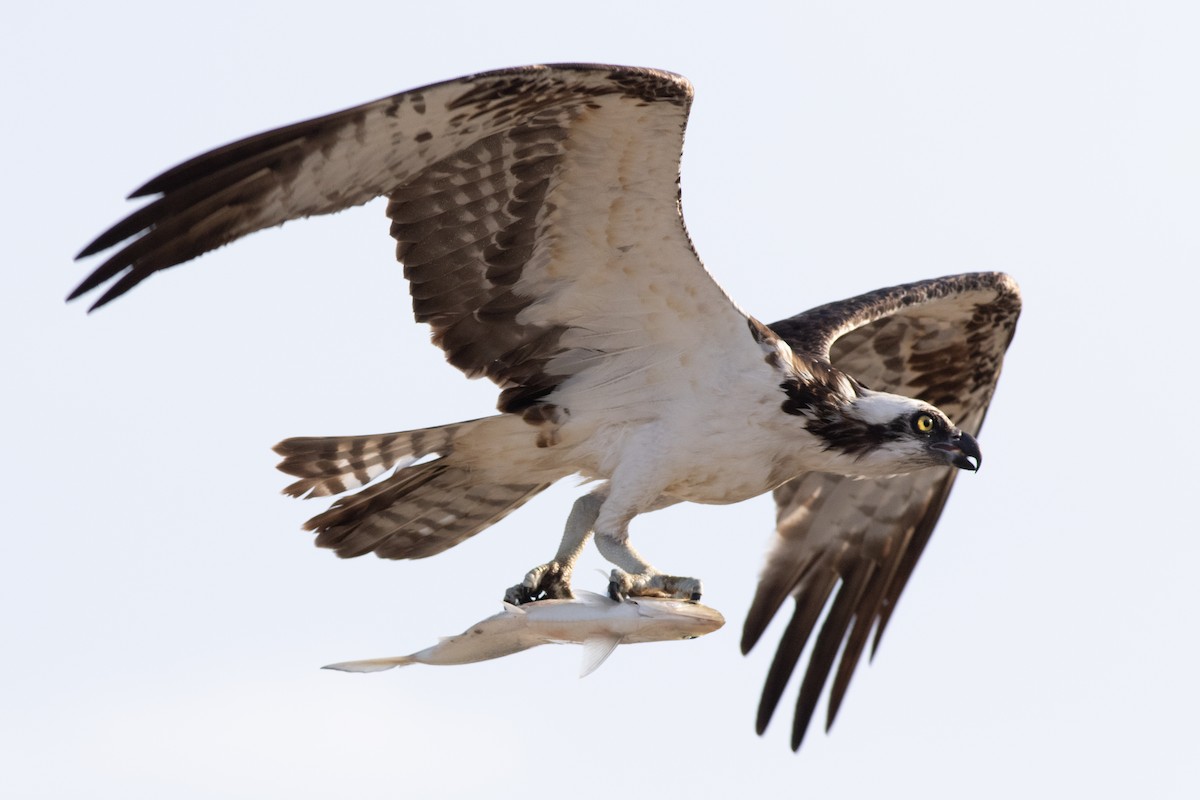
669,618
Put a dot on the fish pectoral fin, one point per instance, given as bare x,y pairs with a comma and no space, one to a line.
596,651
371,664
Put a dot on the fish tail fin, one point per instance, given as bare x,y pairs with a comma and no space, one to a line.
372,664
426,506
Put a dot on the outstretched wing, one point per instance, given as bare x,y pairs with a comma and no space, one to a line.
536,211
857,541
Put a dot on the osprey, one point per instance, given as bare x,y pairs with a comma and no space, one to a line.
536,212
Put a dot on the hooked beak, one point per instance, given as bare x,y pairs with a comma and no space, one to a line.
959,450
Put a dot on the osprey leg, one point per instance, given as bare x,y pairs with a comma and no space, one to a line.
552,580
634,575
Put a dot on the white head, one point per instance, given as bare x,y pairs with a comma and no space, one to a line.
887,434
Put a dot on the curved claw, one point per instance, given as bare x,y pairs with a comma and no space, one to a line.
614,592
519,595
623,585
546,582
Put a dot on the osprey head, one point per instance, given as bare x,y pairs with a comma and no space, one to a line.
889,434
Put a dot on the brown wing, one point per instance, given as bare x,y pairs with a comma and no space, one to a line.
536,211
857,541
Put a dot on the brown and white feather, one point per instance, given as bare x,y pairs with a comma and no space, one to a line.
857,541
418,512
426,506
328,465
536,211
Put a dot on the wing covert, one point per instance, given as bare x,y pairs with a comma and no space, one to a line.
535,209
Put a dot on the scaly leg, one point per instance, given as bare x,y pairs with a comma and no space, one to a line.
634,576
552,580
608,511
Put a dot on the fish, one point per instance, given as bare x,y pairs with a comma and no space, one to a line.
595,621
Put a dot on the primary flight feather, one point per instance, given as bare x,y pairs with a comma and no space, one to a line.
536,212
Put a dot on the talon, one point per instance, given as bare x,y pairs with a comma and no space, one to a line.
620,585
623,585
546,582
518,595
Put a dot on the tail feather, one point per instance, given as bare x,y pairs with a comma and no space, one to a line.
421,510
418,512
328,465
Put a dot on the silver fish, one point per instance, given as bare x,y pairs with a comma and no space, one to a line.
595,621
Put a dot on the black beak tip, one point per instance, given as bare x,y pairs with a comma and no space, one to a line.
964,462
968,449
961,451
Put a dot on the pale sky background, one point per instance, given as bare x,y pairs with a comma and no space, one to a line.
164,616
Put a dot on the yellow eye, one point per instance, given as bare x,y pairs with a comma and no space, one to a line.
924,423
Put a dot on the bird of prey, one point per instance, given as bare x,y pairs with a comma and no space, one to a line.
536,211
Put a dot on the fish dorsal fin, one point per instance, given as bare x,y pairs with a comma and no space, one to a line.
595,651
512,609
593,599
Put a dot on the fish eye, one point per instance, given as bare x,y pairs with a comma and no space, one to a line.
923,423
